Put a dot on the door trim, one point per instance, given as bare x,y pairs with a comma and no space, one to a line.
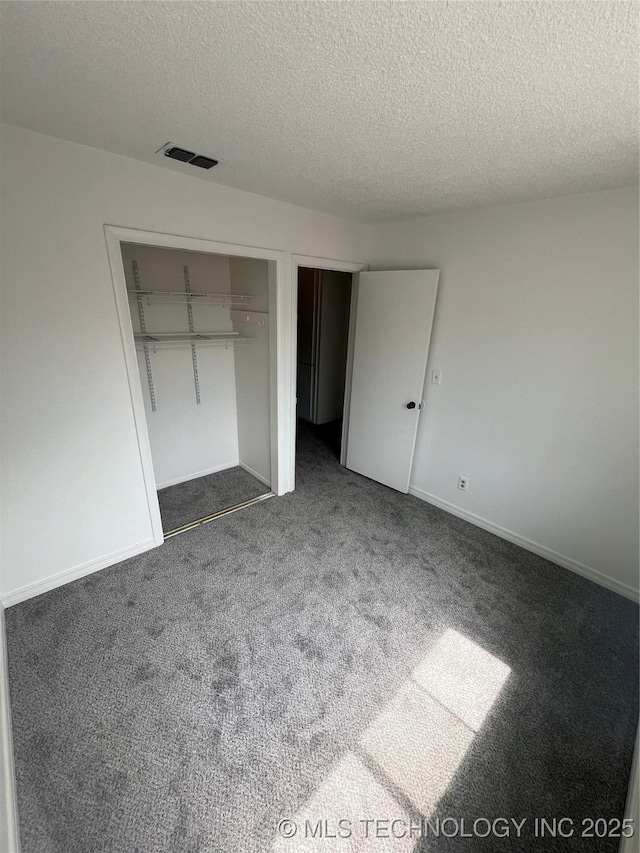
354,268
348,379
279,302
9,822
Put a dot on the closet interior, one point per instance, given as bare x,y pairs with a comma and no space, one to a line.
201,327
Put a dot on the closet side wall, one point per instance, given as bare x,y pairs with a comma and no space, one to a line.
335,301
188,439
252,367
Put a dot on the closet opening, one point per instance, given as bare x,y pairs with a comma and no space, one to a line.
324,313
201,328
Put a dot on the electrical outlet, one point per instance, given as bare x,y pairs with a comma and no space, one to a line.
436,377
463,482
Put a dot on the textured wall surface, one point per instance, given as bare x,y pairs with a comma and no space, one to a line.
372,110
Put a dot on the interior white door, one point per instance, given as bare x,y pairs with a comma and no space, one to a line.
393,323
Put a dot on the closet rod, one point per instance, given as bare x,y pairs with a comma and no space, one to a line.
181,295
178,336
206,342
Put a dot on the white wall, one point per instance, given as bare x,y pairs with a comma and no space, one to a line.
251,277
187,439
73,496
536,333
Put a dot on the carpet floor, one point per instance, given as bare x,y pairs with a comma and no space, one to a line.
203,496
342,653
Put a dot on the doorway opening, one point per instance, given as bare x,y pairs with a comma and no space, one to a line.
384,371
200,327
324,315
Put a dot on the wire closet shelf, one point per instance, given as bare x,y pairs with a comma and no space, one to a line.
225,300
181,339
151,342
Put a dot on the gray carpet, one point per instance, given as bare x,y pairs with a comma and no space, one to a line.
203,496
343,652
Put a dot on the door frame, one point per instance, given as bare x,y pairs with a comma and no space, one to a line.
279,356
338,266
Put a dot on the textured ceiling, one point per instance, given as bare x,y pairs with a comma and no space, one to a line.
371,110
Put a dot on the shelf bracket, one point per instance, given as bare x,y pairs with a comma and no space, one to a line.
143,329
194,357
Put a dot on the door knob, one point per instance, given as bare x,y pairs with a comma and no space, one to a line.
411,405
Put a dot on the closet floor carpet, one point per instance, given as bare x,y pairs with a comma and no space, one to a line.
341,653
194,499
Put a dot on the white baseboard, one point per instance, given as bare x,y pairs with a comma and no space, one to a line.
44,585
255,474
195,476
9,831
566,562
